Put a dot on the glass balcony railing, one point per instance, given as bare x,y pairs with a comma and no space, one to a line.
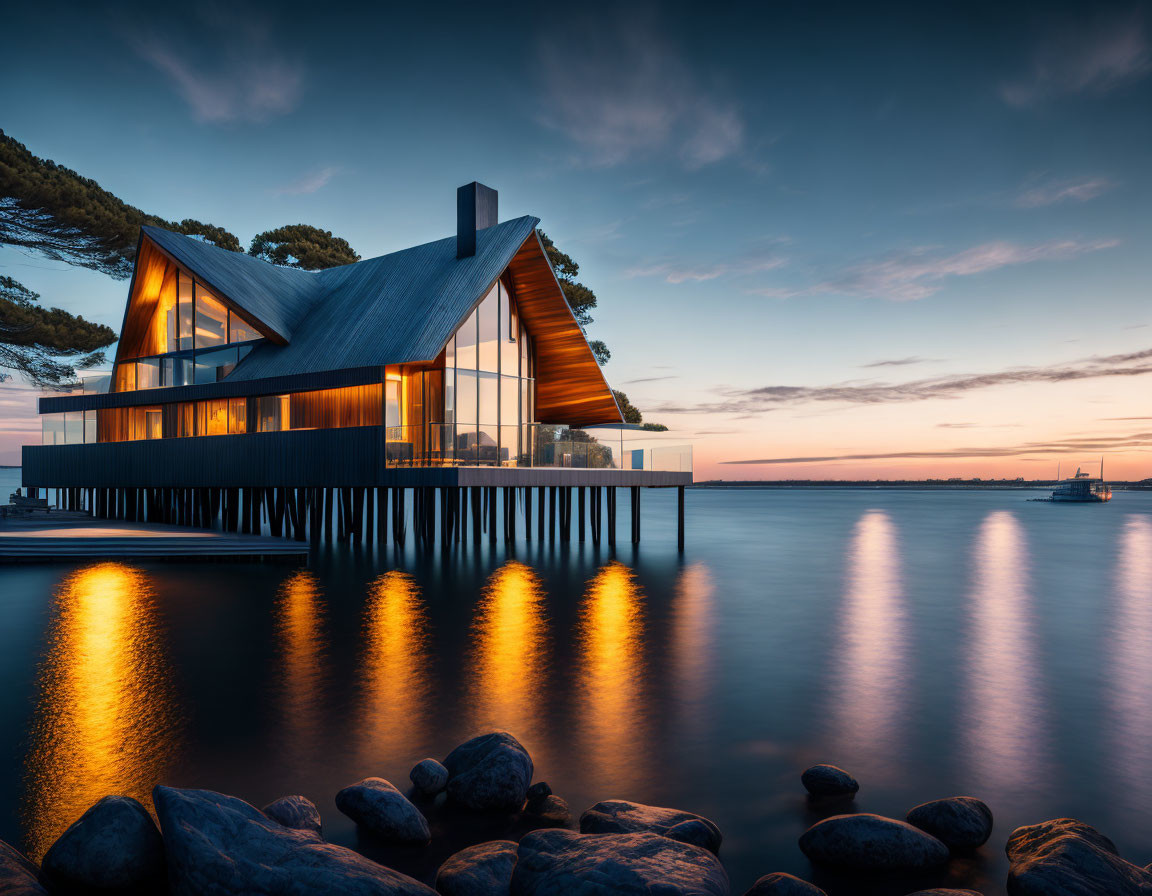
533,445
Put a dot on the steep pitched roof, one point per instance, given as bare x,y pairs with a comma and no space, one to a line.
277,297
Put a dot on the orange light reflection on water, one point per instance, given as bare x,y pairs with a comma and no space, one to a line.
106,720
611,681
396,682
510,644
299,611
872,675
692,644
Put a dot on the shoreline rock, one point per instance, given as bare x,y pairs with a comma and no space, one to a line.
829,781
18,875
429,777
1068,856
780,884
481,870
960,822
867,842
296,812
115,846
624,817
490,773
377,806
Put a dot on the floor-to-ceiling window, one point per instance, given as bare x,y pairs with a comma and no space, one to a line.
488,385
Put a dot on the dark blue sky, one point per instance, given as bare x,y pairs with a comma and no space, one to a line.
774,202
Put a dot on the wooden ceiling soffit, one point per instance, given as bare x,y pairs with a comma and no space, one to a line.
570,386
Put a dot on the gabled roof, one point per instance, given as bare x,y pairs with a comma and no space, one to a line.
400,308
276,296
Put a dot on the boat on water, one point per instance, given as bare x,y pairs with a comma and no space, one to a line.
1083,488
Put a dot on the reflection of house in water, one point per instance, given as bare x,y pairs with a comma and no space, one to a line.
240,385
106,720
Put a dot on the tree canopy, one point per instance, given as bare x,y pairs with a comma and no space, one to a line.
302,246
43,343
53,211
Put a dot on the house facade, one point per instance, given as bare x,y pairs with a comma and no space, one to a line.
454,363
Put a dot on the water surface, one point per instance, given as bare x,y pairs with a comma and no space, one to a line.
934,643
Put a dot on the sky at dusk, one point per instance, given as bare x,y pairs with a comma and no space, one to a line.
828,241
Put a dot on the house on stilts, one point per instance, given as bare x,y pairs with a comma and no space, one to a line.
450,377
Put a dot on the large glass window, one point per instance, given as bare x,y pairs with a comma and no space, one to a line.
488,339
211,320
148,373
213,366
509,334
239,330
466,343
184,289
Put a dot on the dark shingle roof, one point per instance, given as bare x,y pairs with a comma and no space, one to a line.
393,309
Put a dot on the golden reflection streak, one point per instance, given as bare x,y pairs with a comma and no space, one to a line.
872,679
1004,728
511,657
396,684
106,721
692,647
299,608
610,683
1131,656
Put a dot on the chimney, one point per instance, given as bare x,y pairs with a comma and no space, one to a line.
476,208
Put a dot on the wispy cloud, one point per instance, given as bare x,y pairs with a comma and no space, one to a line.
921,272
1054,192
232,71
764,256
770,398
648,379
309,183
1054,447
901,362
622,90
1083,57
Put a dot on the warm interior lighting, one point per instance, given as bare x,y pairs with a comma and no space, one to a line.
300,633
611,683
394,669
510,644
105,720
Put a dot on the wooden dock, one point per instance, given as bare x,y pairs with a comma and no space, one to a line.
64,535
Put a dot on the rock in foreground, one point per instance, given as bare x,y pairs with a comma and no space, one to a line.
828,780
113,847
562,863
296,812
780,884
490,773
960,822
221,845
624,817
1065,856
481,870
429,777
17,874
868,842
382,809
944,891
547,812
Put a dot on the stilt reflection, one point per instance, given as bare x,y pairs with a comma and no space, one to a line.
299,611
106,720
612,703
1005,727
510,642
691,649
1131,659
396,679
872,676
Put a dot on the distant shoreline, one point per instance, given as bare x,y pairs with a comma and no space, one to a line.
910,484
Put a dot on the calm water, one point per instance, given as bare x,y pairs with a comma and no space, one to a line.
932,643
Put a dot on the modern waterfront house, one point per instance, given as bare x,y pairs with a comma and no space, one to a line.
242,390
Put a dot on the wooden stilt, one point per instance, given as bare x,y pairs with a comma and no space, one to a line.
580,498
612,516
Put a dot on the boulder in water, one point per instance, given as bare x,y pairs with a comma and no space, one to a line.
960,822
867,842
296,812
221,845
429,777
561,863
1067,856
780,884
828,780
114,847
377,806
481,870
624,817
18,876
490,773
